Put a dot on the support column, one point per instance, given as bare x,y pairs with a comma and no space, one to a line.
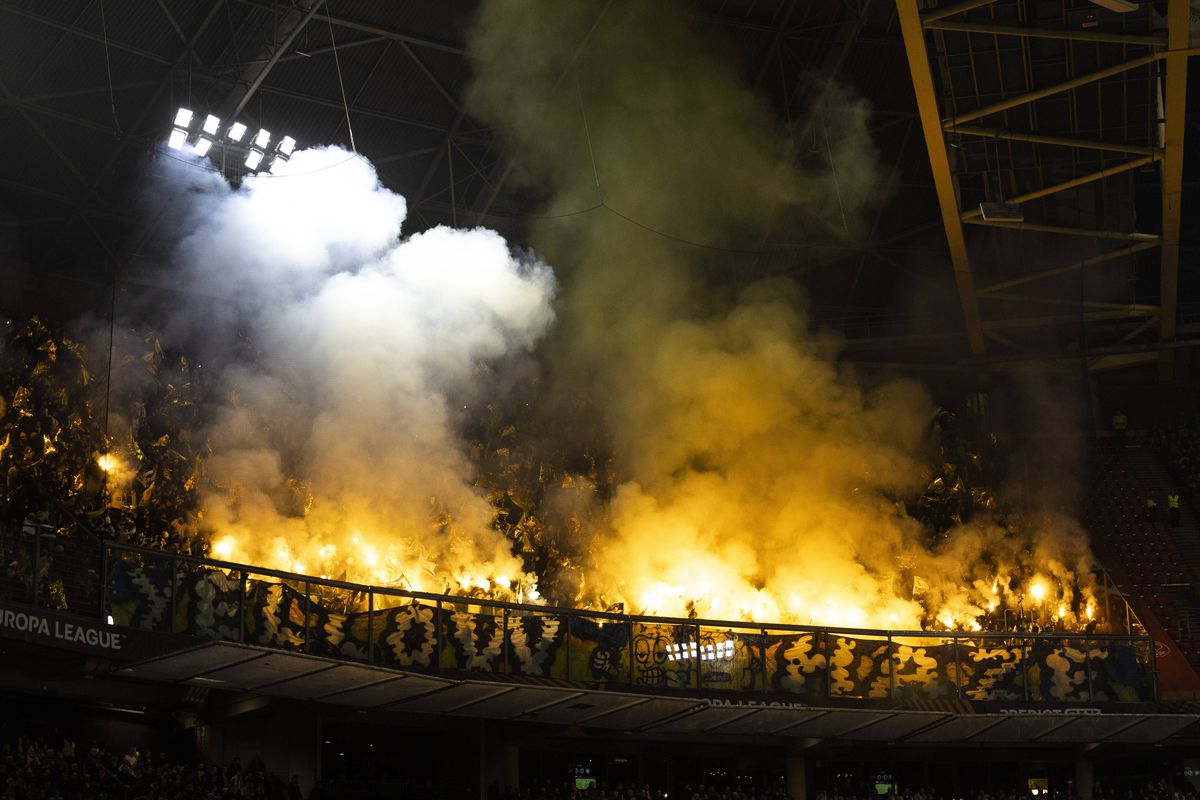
1085,774
796,768
499,759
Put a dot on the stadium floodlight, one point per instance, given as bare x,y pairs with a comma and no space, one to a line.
287,145
203,146
236,131
177,139
211,125
262,138
254,158
183,117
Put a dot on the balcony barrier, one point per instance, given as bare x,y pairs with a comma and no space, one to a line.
156,591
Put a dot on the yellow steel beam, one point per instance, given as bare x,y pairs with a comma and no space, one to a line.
1175,107
1032,277
1038,94
951,10
1056,319
1116,169
939,162
1047,33
1060,141
1058,301
1091,233
1120,361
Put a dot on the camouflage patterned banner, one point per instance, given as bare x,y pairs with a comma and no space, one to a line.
470,636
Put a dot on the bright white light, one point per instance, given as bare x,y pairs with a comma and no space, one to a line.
183,117
254,158
178,137
203,146
236,131
287,145
110,619
262,138
212,125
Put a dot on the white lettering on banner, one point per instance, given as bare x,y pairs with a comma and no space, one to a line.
757,703
1050,711
90,635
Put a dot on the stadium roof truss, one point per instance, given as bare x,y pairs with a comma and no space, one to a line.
1053,116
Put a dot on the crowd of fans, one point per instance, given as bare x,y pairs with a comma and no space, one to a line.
31,769
1155,790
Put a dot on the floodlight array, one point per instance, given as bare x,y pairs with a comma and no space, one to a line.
258,155
684,651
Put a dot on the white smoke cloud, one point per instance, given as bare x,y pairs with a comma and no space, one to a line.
336,446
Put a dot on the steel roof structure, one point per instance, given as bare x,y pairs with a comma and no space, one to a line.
1052,106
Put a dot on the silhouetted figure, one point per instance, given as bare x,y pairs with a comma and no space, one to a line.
1119,424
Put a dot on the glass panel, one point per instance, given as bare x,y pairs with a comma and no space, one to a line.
275,614
139,591
208,602
796,663
1115,671
664,656
859,666
729,661
1057,671
599,650
16,564
535,644
992,668
1144,653
924,668
405,632
473,638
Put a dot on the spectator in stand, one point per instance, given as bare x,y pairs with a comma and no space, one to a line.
1119,424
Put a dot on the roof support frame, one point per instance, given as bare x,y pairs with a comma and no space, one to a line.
1065,268
1048,91
1046,33
1175,107
939,161
1046,191
949,11
1134,236
1061,141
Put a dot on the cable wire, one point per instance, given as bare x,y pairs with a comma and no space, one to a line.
337,62
112,99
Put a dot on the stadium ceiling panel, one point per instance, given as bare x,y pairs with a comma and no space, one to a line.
452,698
302,676
330,680
388,691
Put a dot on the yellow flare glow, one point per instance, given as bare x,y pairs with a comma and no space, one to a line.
1062,610
1037,590
107,462
223,548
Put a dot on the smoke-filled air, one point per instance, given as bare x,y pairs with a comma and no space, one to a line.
618,411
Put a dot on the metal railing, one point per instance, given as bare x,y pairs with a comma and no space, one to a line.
153,590
456,634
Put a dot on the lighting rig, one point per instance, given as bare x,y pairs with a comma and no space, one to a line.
258,154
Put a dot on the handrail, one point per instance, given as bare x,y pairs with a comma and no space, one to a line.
452,599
